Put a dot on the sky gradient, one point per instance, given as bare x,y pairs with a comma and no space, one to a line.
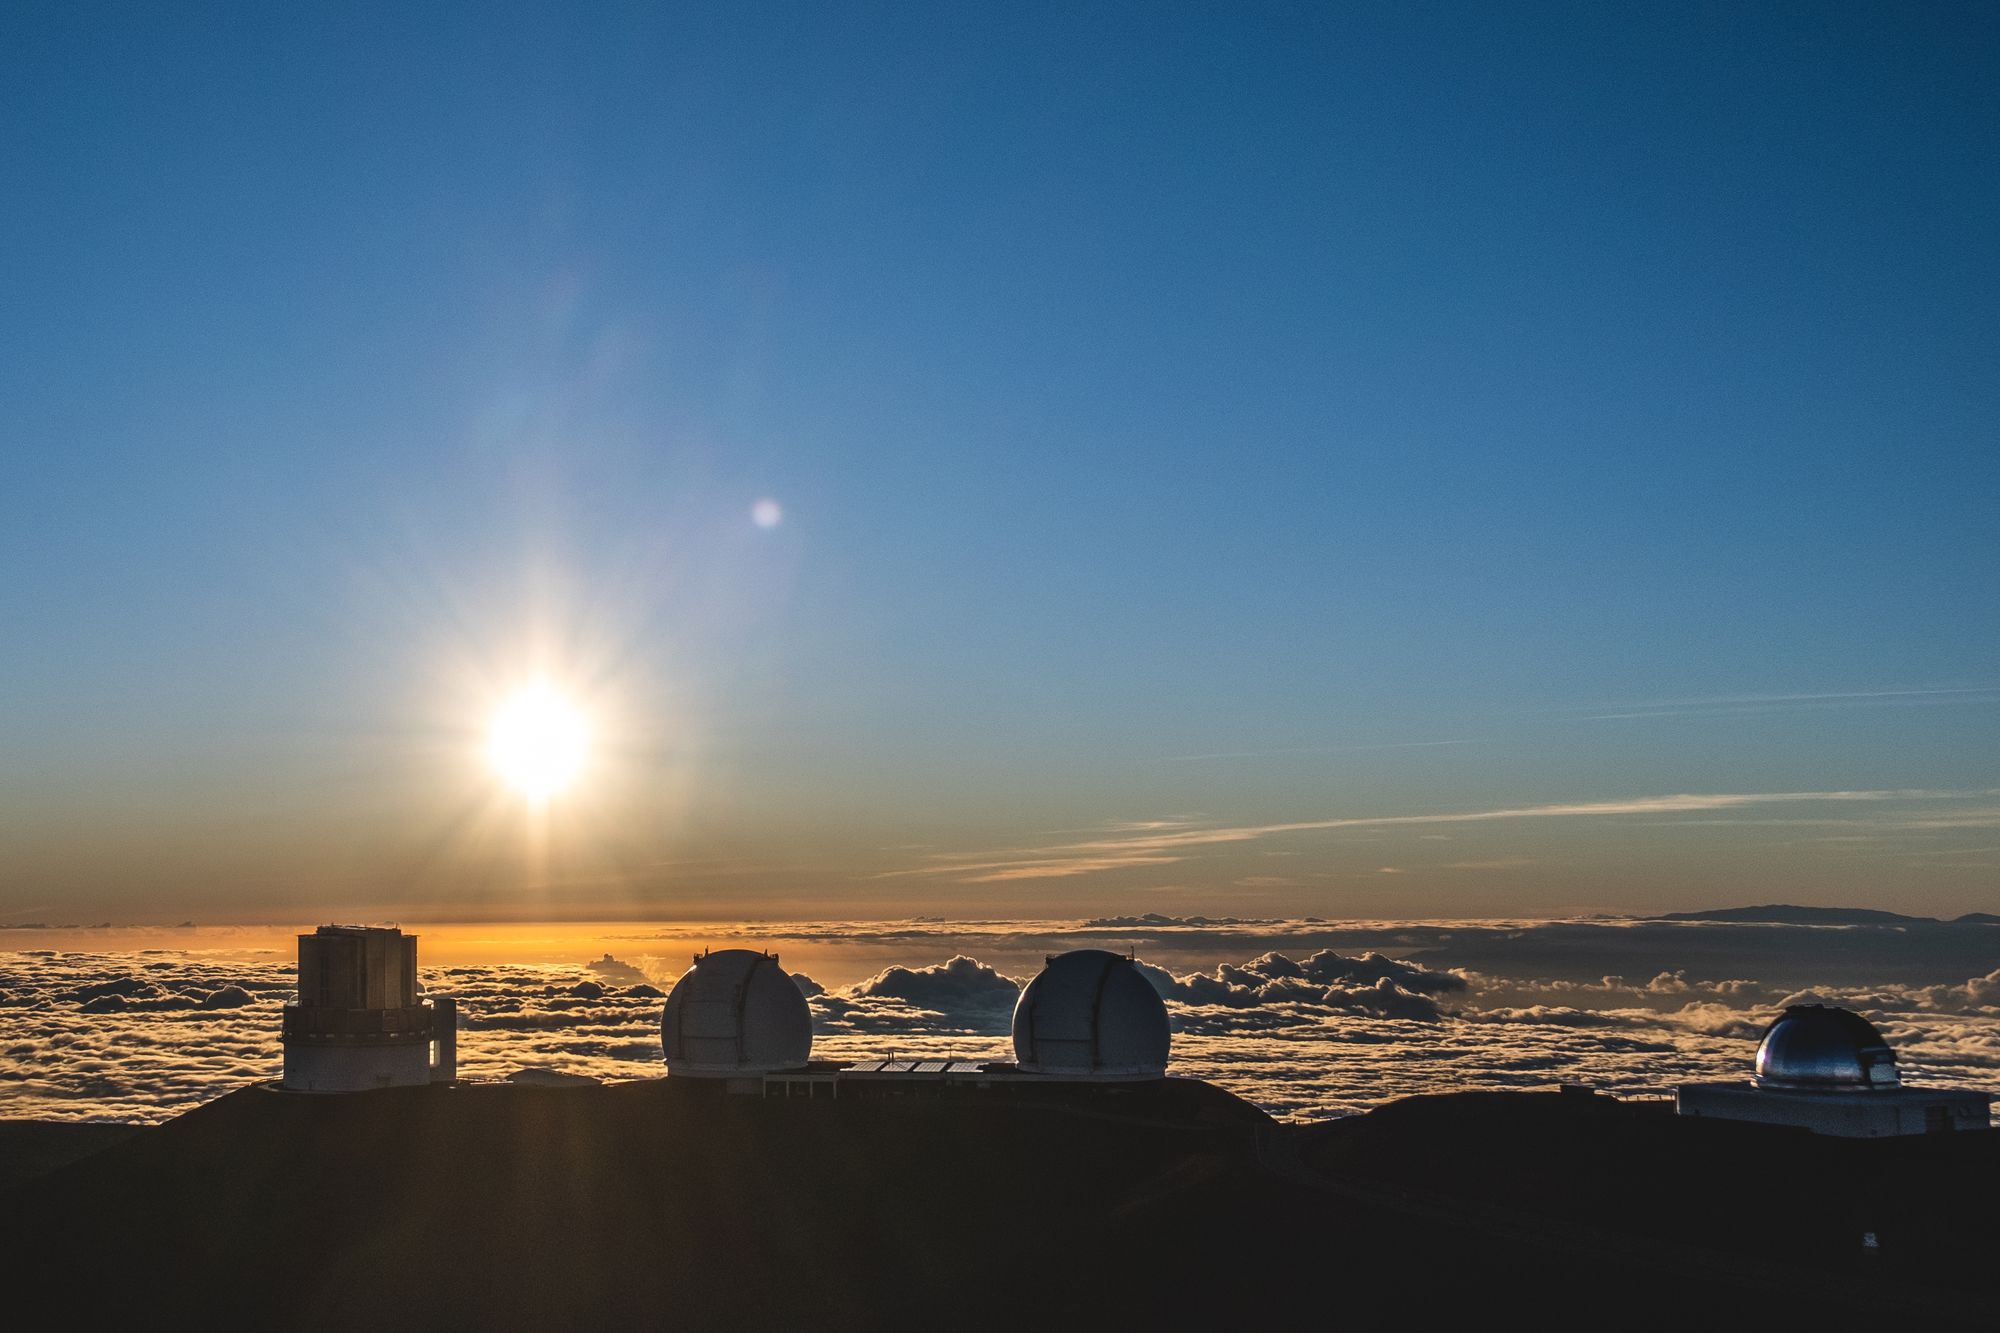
1424,462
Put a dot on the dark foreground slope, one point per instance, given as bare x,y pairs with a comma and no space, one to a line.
647,1203
1910,1220
31,1148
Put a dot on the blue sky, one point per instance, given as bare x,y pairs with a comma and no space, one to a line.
1280,386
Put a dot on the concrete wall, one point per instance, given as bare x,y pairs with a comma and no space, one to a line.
356,1068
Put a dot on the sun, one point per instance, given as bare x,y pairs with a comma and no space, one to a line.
537,742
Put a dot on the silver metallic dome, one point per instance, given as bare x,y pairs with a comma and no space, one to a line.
1818,1047
1091,1015
735,1012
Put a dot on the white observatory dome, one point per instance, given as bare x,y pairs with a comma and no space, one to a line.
735,1012
1091,1015
1818,1047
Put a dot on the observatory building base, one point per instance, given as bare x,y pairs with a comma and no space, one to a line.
1873,1113
356,1068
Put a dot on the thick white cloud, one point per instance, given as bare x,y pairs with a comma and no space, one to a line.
617,972
959,997
1288,992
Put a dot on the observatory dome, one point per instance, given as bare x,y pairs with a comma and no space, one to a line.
1091,1015
1818,1047
735,1012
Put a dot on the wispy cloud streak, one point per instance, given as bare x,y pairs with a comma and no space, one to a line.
1317,749
1160,846
1724,705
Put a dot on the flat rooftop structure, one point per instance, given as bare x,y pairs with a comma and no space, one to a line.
826,1078
921,1068
892,1076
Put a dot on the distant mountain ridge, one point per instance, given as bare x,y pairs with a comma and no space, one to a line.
1785,914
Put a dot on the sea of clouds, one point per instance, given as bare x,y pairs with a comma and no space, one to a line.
1305,1018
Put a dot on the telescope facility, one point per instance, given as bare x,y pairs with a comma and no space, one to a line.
736,1014
1828,1070
1091,1016
361,1021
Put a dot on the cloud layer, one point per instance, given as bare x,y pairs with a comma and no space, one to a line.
1303,1017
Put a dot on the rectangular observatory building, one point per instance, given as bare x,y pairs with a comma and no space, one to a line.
361,1020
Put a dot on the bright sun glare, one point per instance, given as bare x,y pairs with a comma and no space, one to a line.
536,743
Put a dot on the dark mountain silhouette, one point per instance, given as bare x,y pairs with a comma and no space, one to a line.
1784,914
1174,1204
1976,919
